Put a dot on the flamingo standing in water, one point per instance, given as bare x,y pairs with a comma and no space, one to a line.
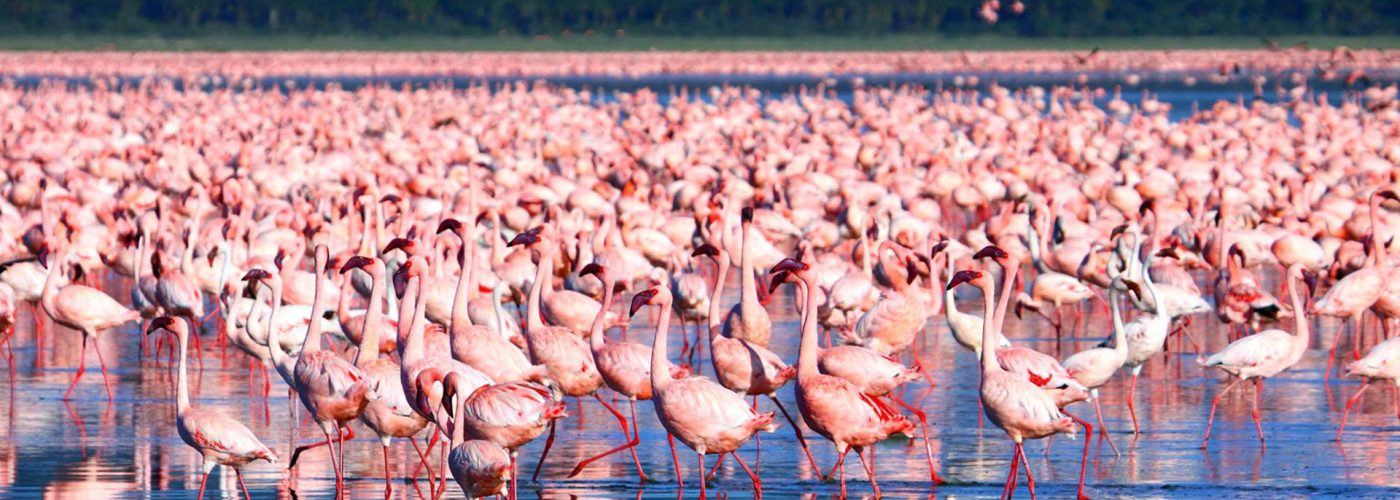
481,468
81,308
510,415
1380,364
625,368
220,440
1095,367
390,416
1354,294
331,388
833,406
1011,402
748,320
1263,354
701,413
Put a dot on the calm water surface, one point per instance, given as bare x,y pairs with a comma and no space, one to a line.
90,449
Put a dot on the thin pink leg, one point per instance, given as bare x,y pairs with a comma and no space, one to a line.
202,483
869,470
629,444
675,460
1213,404
1132,409
800,439
242,486
102,364
928,448
841,470
1352,401
701,457
548,442
1030,480
1258,394
1083,460
82,366
388,474
757,483
1010,489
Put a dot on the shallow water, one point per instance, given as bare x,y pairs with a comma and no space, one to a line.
90,449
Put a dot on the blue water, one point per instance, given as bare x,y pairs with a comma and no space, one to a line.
89,449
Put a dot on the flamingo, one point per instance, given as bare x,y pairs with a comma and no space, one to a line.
332,389
481,468
625,369
1263,354
1014,404
1354,294
81,308
219,439
1093,368
510,415
832,406
704,415
390,416
748,320
1380,364
478,346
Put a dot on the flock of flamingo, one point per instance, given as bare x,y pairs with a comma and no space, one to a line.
450,266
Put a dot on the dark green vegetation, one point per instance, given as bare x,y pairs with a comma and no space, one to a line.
514,20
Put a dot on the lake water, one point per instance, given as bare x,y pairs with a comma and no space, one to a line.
89,449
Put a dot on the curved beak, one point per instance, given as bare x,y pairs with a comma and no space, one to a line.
256,274
161,323
705,249
356,262
593,268
789,265
449,224
962,277
398,244
990,251
777,280
642,298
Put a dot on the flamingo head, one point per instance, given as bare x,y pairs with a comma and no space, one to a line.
256,274
1134,287
938,247
390,198
706,250
789,265
529,237
1117,231
1388,194
165,323
1168,252
746,215
43,256
277,260
1236,251
967,276
593,268
642,298
405,244
777,280
1310,279
405,271
356,262
992,251
449,224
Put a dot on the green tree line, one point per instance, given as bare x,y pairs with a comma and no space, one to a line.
701,17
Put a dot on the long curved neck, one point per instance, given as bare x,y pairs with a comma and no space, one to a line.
865,265
716,295
1007,286
887,247
496,297
51,283
660,374
182,385
595,332
465,281
1036,245
187,257
313,332
1221,245
533,320
747,281
1300,320
807,353
1377,249
274,345
374,318
410,347
1120,341
950,298
989,343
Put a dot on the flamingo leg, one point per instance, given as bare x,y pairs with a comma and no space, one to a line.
923,425
102,364
1084,459
548,442
242,486
1395,390
1103,430
422,460
1258,395
1030,480
675,460
869,470
388,475
349,435
1132,409
800,439
630,444
1010,489
1332,353
701,456
757,483
715,469
1350,402
839,470
82,366
202,484
1213,404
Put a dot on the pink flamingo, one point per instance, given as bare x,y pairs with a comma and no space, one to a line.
220,440
833,406
331,388
81,308
1011,402
1354,294
479,346
390,416
625,369
748,320
701,413
510,415
1380,364
481,468
1263,354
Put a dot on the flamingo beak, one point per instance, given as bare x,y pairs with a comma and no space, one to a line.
449,225
401,278
938,247
705,249
160,323
398,244
256,274
962,277
642,298
390,198
1117,231
591,269
1310,278
788,265
355,262
746,215
777,280
990,251
526,238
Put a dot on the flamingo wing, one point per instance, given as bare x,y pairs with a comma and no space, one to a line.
1261,349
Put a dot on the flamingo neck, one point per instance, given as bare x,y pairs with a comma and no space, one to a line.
410,343
533,320
369,331
1377,256
747,283
989,344
716,295
182,388
807,353
1036,245
595,332
313,327
497,296
660,372
900,285
1007,286
1300,320
274,345
466,282
1120,341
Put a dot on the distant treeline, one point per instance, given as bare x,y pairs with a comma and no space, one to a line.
701,17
